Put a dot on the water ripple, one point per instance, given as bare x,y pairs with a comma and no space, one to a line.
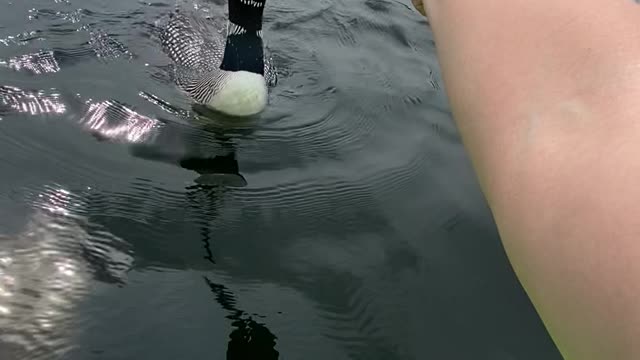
16,100
144,203
106,46
21,39
38,63
45,272
62,22
354,322
116,122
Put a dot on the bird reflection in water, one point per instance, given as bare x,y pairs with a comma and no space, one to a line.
249,339
220,170
208,151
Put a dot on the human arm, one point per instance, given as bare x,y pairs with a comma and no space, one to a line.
546,97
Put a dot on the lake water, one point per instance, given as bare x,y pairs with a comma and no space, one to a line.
347,222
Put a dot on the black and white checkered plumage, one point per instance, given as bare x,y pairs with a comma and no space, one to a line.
206,53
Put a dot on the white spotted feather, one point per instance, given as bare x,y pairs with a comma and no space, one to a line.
196,46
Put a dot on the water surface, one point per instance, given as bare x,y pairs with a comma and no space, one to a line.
347,223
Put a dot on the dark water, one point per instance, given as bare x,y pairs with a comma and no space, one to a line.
346,224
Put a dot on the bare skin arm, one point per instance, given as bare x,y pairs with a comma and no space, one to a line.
546,95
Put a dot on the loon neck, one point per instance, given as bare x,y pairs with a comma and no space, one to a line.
244,48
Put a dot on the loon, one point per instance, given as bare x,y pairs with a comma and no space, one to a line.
223,69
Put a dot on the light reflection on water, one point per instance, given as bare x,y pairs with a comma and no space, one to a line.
37,63
128,126
105,119
30,102
44,276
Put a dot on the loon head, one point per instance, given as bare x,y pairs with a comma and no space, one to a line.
243,89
